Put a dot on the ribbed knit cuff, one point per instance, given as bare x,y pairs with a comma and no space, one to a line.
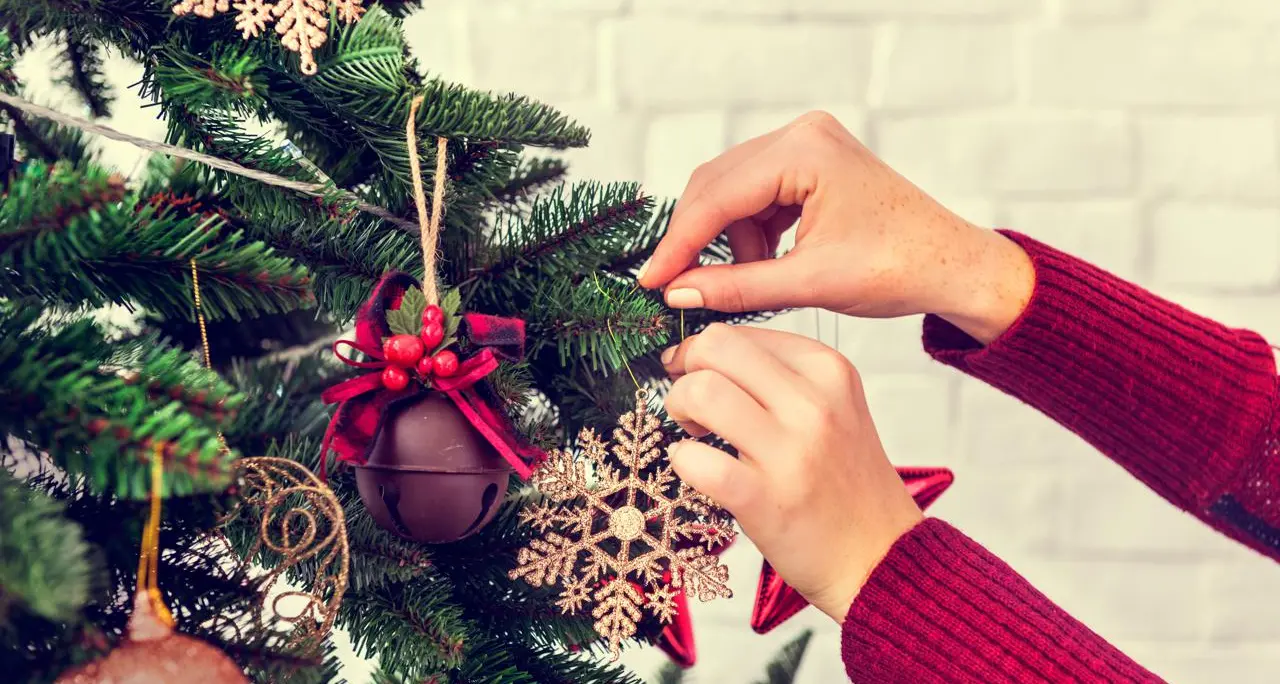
1177,399
940,608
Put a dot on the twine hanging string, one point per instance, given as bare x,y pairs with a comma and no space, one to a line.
428,224
313,189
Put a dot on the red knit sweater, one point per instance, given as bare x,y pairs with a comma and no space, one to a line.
1184,404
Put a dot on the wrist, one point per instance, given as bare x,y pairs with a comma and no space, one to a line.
838,599
990,289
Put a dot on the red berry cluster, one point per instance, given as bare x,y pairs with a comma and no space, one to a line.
403,352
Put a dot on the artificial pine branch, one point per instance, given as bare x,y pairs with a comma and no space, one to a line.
561,236
549,666
66,240
600,322
46,568
169,374
362,73
346,255
46,200
531,177
58,392
230,80
411,629
589,399
281,414
84,73
785,665
314,129
512,386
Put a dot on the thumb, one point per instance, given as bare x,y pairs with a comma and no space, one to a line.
733,484
734,288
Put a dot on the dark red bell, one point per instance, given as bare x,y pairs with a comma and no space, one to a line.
431,477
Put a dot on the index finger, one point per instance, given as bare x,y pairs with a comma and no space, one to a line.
736,185
796,352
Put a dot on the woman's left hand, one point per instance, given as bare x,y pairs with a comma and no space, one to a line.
812,486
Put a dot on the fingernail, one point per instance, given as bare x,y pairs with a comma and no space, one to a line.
684,298
668,354
644,268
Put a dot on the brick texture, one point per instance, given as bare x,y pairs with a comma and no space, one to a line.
933,65
1008,154
678,62
1139,134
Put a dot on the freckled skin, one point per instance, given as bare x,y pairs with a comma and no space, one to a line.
813,487
869,243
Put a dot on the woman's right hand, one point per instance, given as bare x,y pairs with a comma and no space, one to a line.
869,243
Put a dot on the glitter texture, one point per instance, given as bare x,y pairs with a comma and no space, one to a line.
301,24
155,654
624,529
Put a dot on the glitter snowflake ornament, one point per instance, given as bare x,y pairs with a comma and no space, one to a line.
302,24
610,529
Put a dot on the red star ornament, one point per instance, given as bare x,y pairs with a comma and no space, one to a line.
776,602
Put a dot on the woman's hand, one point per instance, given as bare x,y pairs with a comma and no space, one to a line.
869,242
812,486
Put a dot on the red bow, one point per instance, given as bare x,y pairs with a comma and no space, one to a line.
363,401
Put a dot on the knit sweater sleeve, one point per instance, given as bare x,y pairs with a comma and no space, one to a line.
1186,405
941,609
1183,403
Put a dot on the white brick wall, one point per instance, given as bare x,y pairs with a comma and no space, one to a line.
1140,134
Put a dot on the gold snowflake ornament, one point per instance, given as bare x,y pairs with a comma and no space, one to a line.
610,542
302,24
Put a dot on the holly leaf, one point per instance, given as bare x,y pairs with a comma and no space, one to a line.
407,320
450,303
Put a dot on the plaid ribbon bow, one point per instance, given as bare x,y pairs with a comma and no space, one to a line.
363,401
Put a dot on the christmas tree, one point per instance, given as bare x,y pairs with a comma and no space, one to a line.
86,407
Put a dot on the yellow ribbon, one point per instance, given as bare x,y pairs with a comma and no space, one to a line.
149,558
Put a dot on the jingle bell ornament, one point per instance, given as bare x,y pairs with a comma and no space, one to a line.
432,456
430,476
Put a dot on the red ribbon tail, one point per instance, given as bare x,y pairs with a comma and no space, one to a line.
474,408
325,445
350,389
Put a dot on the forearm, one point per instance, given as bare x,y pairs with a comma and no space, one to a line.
1180,401
940,608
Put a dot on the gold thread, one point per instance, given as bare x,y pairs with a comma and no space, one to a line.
204,337
204,334
298,519
616,343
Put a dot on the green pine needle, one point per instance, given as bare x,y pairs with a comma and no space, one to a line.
46,567
84,73
786,664
65,391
